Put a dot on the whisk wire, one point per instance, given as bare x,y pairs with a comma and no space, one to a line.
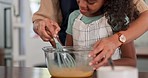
59,60
62,57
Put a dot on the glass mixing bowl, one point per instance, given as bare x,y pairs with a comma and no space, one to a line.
78,57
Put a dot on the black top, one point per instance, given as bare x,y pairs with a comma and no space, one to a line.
67,6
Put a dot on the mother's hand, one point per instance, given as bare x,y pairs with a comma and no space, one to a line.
103,50
46,29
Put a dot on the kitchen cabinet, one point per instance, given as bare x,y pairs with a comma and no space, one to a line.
1,57
6,30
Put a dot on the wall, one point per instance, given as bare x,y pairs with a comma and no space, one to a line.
32,46
146,1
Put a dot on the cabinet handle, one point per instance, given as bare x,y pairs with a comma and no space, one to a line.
7,28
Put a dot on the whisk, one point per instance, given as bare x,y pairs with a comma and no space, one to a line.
63,58
110,61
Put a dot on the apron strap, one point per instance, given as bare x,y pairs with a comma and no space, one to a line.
80,16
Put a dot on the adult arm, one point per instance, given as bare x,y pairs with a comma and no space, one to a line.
108,45
46,19
48,9
128,57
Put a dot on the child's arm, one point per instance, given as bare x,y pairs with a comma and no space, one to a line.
128,55
69,40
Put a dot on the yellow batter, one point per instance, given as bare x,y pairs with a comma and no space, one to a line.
70,72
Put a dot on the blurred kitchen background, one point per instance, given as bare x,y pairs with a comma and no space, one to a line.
20,46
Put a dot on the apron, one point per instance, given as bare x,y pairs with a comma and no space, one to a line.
88,34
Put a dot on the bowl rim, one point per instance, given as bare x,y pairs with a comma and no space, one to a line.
69,49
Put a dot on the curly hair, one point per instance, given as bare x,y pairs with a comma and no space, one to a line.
116,11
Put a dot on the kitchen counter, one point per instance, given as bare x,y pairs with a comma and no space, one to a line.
142,55
31,72
142,52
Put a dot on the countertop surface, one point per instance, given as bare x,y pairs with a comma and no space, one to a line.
31,72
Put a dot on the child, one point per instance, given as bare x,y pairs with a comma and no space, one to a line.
97,19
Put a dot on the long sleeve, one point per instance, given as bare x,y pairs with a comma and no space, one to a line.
48,9
141,5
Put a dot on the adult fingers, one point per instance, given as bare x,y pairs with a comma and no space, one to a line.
42,31
97,48
98,57
35,27
49,27
103,62
52,27
56,27
51,40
